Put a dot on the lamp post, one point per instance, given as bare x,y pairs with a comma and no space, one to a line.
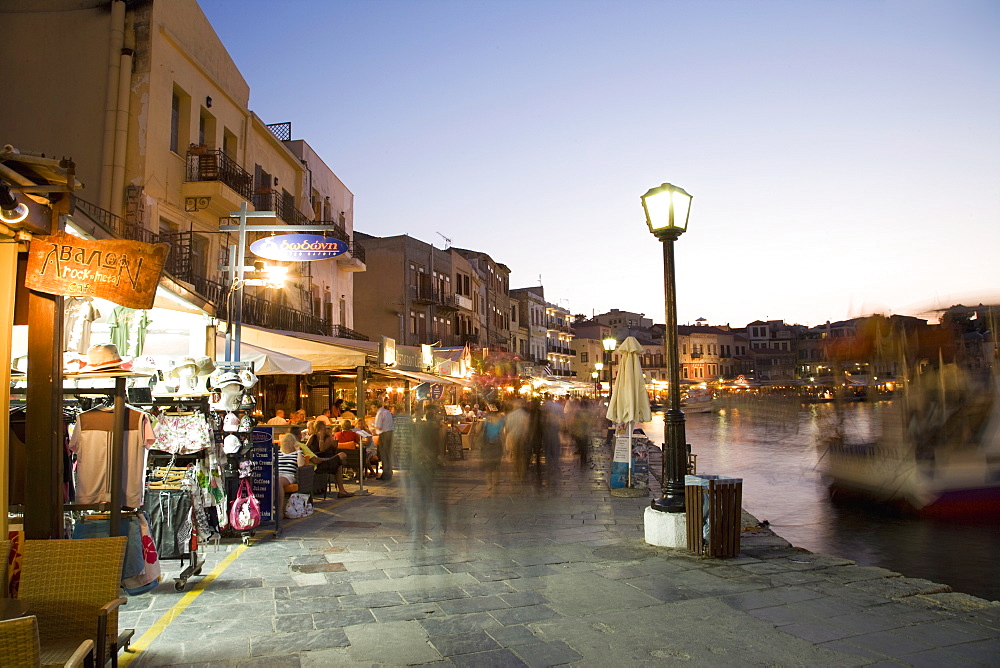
609,343
667,208
596,375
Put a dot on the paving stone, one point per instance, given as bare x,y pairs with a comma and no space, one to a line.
501,658
551,653
523,598
778,615
464,643
459,624
287,661
412,582
984,651
308,605
937,657
487,588
436,594
376,600
817,631
296,622
290,643
525,615
341,618
393,643
889,643
511,636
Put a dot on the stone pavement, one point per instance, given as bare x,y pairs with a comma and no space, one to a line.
540,575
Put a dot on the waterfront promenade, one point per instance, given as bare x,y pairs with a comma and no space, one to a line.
541,575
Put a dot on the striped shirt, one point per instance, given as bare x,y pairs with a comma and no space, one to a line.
288,465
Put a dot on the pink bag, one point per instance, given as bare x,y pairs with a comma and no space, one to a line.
245,513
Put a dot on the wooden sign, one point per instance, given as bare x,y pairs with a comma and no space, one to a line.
123,272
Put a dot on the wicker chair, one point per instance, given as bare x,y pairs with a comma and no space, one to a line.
72,586
19,644
5,546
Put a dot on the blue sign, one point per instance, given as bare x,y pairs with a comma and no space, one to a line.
298,247
436,390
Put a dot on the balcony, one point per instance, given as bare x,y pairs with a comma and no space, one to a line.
342,332
214,182
354,259
267,199
424,294
113,225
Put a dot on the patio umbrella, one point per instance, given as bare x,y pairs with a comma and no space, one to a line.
629,401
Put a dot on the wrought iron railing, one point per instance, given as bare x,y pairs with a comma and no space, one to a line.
115,225
342,332
358,251
214,165
284,207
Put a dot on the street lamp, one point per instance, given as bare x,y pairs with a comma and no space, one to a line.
667,208
595,375
609,343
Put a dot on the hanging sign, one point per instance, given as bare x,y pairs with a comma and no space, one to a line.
298,247
123,272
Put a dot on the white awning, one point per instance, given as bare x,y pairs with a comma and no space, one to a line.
418,376
324,352
267,362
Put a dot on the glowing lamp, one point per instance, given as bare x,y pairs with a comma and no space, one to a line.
667,209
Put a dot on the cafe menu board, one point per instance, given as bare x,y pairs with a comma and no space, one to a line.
402,441
262,455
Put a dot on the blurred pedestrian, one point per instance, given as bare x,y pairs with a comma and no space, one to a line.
493,433
383,427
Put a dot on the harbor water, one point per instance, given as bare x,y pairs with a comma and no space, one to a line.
773,447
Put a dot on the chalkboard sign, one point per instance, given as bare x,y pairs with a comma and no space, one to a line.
453,445
402,441
262,455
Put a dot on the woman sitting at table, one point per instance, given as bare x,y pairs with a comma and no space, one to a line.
320,441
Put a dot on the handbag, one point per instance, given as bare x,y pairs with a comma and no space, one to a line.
150,577
298,506
245,512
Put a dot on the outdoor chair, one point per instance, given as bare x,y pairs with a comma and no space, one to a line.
19,645
306,476
72,586
5,547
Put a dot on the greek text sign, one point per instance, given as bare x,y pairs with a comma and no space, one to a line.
123,272
298,247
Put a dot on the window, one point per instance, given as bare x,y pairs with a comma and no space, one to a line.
175,123
229,143
583,358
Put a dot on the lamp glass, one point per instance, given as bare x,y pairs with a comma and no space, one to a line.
599,366
667,208
610,344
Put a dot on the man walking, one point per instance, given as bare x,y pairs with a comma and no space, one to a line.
383,429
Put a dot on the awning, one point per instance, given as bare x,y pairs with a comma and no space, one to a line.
418,376
324,352
267,362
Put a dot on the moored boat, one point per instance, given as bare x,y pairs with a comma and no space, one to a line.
937,452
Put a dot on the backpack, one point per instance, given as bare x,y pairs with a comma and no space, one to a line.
298,506
245,513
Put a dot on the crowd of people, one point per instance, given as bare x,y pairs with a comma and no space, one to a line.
520,440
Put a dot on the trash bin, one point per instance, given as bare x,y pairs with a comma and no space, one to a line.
714,506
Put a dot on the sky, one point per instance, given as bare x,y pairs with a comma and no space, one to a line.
843,156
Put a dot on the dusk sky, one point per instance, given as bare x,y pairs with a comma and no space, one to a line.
844,157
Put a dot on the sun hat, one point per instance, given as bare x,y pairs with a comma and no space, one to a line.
247,378
232,444
231,423
104,357
205,366
229,398
223,379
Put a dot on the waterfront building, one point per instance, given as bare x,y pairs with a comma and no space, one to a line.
560,355
167,147
493,296
706,352
530,303
408,293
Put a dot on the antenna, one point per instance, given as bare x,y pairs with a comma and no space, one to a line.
447,241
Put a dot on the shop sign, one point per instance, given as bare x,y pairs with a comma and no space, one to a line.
120,271
298,247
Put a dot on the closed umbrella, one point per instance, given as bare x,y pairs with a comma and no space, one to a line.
629,400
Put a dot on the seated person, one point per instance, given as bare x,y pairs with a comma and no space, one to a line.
320,440
347,438
332,464
288,468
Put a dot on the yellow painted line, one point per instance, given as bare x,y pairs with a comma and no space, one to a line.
151,634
